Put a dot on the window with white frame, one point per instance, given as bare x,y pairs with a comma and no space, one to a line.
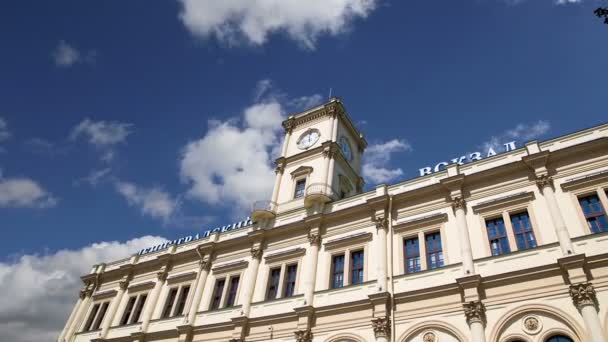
590,194
133,310
96,316
421,243
225,291
282,271
176,301
348,264
300,188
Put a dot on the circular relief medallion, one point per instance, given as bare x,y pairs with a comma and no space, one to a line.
429,337
531,325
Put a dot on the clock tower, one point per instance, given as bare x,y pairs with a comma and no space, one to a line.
320,161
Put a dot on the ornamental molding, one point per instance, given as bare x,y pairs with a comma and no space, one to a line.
162,275
474,312
544,181
531,324
459,203
583,294
348,240
291,253
256,252
381,223
177,278
123,284
223,268
82,293
429,336
205,264
516,199
141,286
421,222
381,326
303,335
314,239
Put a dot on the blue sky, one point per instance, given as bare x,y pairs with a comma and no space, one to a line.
127,121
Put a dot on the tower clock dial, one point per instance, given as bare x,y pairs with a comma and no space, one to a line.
308,139
345,147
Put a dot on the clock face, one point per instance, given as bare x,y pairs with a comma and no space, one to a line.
345,147
308,139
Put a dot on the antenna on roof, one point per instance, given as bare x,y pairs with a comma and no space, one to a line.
330,93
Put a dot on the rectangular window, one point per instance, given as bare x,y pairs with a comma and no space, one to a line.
524,235
337,277
300,188
234,286
217,293
100,315
181,303
594,213
497,235
91,317
434,252
273,283
290,281
169,303
127,314
138,309
411,252
356,268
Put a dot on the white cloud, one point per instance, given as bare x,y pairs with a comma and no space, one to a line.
252,21
44,288
521,133
376,160
565,2
65,55
102,133
153,202
94,177
24,193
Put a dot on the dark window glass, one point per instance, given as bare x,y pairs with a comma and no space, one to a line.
524,235
139,308
337,274
411,252
434,252
290,281
128,310
181,303
234,286
559,338
273,283
100,315
497,235
356,269
217,294
92,314
300,188
594,213
169,303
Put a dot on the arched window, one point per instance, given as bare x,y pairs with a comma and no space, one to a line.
559,338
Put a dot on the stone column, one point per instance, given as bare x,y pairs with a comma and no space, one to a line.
459,206
381,268
73,315
382,329
277,183
330,170
122,287
328,155
82,310
545,184
310,267
252,271
474,311
334,127
203,272
153,299
583,296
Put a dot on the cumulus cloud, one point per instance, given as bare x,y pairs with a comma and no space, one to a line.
377,158
153,202
235,21
103,135
65,55
44,288
521,133
24,193
94,177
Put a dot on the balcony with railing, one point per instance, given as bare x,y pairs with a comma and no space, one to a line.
263,210
318,193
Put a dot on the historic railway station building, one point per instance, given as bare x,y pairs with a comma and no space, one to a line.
512,247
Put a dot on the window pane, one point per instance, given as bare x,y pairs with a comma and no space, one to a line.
169,302
128,309
92,315
181,303
273,283
100,315
338,271
290,281
356,267
434,250
497,235
300,188
412,255
217,294
234,286
139,308
594,213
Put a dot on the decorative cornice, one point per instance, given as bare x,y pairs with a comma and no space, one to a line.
351,239
381,326
583,294
292,253
181,277
544,181
459,203
230,266
303,335
474,311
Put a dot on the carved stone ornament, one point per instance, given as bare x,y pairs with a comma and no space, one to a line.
161,275
381,223
256,253
459,203
544,181
474,311
123,284
429,337
204,264
82,293
303,335
382,326
279,169
314,239
531,324
240,339
582,294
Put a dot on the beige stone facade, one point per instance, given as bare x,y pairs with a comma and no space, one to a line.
508,248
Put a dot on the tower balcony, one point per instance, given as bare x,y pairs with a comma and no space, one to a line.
318,193
263,210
